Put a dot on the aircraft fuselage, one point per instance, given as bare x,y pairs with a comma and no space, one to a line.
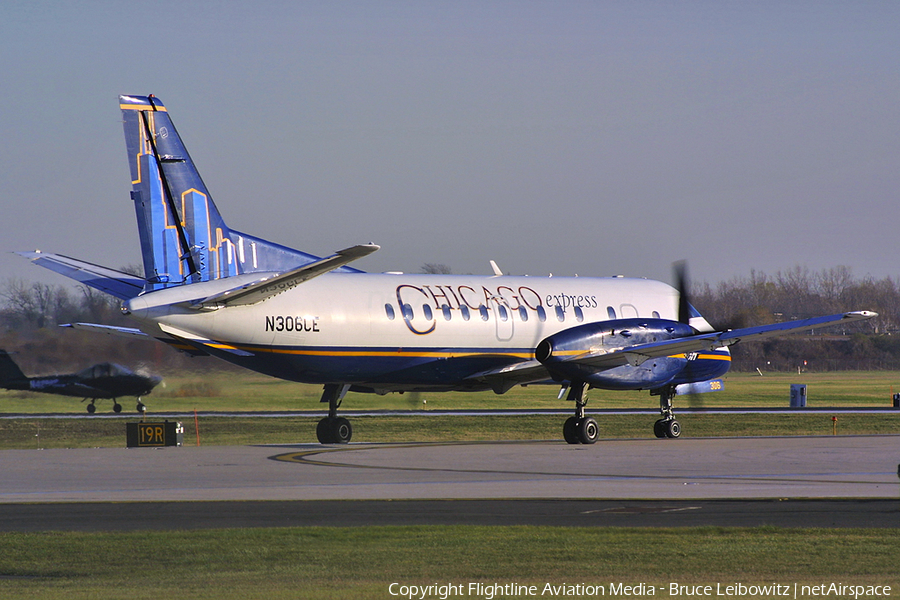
390,332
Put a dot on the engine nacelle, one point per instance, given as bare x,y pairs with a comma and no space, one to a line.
610,336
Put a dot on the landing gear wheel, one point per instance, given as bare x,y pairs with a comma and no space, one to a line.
659,428
341,430
91,408
336,430
588,431
141,408
673,428
117,408
323,431
570,431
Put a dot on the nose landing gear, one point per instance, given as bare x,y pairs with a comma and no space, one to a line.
667,426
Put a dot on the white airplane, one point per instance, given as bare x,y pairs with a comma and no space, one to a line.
211,290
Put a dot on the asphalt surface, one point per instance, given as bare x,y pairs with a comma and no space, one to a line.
829,481
142,516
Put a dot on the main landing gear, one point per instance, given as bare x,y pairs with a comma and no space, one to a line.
667,426
580,429
334,429
117,408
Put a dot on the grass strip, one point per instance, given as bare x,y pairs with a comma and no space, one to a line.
31,433
362,562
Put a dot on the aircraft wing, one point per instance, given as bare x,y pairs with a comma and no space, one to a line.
533,371
636,355
123,286
264,289
505,378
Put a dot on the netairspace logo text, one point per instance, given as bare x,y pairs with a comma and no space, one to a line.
495,591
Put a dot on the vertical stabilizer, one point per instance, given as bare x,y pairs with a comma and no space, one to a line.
10,373
183,237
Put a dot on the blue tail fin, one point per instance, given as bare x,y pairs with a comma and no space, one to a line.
183,237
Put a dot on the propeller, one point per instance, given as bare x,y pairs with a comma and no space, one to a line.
684,316
681,284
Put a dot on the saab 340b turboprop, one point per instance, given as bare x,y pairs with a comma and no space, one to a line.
211,290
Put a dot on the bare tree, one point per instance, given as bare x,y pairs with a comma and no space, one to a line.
436,269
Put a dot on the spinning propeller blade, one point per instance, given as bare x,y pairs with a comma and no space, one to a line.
681,284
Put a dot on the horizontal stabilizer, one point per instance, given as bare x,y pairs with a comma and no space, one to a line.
123,286
130,332
264,289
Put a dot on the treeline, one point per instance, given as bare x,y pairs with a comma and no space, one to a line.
30,313
799,293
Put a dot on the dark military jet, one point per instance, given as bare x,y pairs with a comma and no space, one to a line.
103,380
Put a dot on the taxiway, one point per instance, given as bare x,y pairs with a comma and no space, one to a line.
509,479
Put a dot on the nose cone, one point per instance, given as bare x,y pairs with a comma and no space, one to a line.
151,382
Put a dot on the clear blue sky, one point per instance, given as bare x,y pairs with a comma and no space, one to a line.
596,138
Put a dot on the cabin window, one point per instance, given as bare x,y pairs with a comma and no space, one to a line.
611,312
542,314
523,313
579,314
560,314
407,312
389,311
484,312
504,315
429,315
447,312
464,311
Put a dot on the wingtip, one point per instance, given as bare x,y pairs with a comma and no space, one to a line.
860,314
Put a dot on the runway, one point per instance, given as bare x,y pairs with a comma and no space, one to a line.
860,473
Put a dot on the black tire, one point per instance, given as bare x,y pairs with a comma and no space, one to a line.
588,431
341,431
323,431
117,408
141,408
659,428
570,431
673,428
91,408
